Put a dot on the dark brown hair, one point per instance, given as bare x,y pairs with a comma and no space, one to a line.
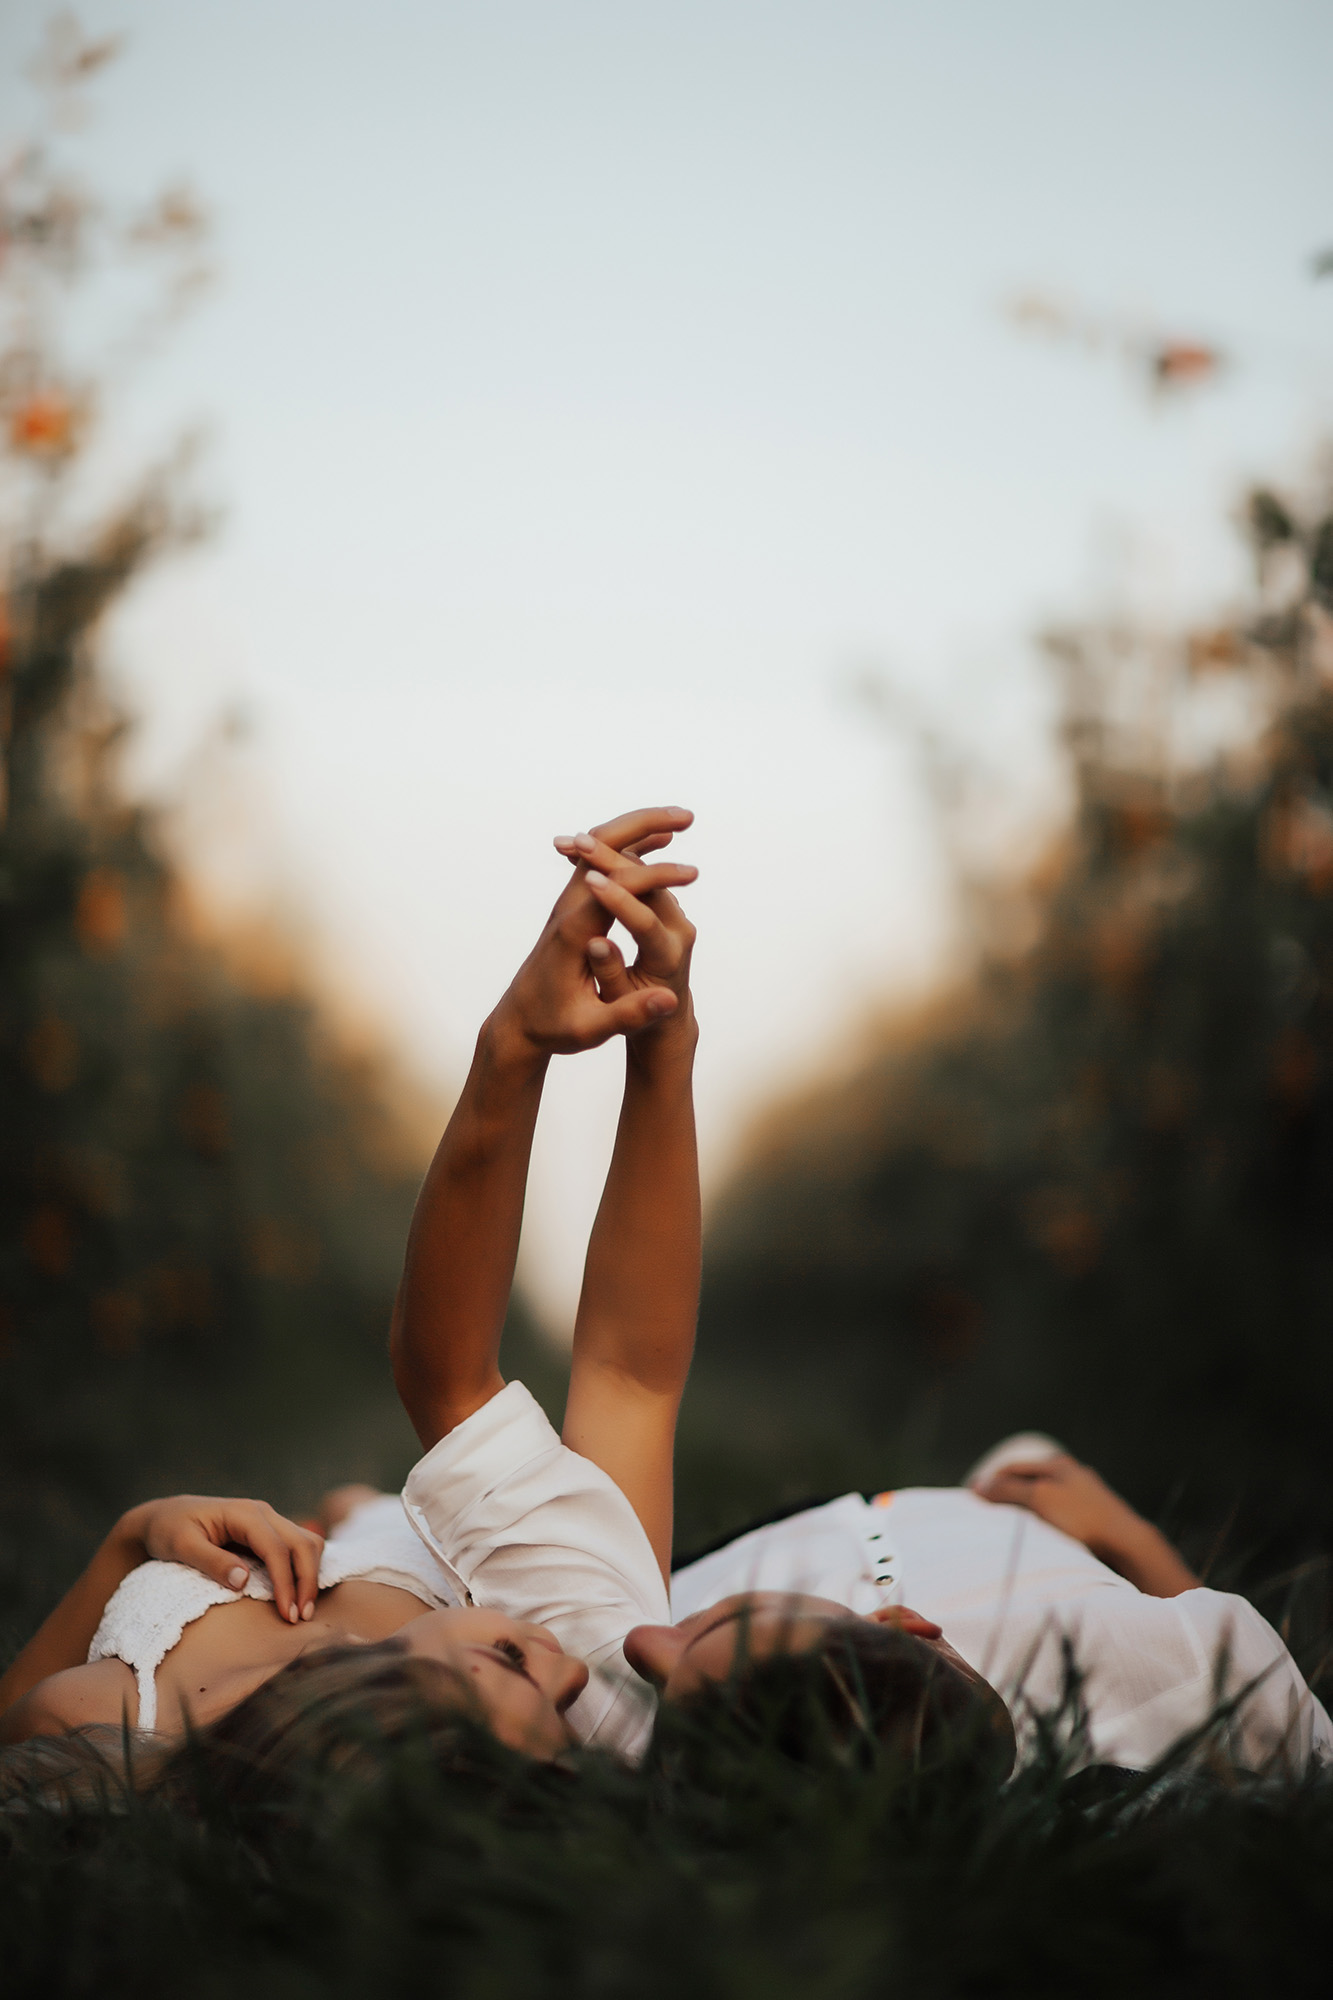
341,1713
865,1687
337,1713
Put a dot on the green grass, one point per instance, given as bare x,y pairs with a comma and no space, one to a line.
709,1873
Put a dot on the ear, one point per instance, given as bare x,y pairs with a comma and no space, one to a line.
904,1620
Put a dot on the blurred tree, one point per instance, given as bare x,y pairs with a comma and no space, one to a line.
1094,1193
203,1194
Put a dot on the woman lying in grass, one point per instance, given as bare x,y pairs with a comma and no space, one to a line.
168,1624
576,1529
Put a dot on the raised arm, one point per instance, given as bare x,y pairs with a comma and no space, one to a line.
634,1334
459,1268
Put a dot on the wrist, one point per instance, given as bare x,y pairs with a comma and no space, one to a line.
1141,1552
506,1052
129,1537
1121,1539
667,1049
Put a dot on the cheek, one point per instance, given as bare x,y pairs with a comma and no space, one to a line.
516,1713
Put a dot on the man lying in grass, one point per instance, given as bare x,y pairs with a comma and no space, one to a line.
1036,1566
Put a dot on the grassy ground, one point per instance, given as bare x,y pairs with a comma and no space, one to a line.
711,1872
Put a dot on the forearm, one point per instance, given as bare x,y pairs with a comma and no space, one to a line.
640,1293
63,1639
463,1243
1142,1554
634,1334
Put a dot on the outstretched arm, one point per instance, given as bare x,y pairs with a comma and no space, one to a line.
634,1334
1078,1500
459,1268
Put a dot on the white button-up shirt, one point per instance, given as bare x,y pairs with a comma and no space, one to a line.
521,1524
1009,1592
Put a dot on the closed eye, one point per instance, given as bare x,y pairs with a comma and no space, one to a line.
513,1659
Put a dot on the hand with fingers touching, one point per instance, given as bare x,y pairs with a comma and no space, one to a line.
573,991
627,890
206,1534
1078,1501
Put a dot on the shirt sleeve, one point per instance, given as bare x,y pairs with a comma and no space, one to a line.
1236,1657
522,1524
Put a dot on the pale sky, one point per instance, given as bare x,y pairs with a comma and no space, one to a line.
592,385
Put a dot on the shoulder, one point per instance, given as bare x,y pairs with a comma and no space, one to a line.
100,1693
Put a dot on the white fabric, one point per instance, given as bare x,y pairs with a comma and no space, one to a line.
1007,1588
523,1525
146,1616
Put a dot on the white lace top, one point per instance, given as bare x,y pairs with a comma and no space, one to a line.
146,1616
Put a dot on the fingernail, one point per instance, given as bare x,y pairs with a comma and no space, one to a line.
563,840
309,1610
596,877
584,842
661,1003
293,1613
598,948
236,1577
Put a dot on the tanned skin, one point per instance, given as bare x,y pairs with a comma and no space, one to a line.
634,1334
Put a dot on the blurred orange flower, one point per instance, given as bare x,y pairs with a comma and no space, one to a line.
100,915
49,1240
47,425
1214,651
1298,840
1178,362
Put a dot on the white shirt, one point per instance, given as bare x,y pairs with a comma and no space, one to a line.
1007,1590
522,1524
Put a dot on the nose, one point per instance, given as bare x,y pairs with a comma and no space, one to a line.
575,1681
652,1650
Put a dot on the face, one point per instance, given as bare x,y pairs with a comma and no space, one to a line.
522,1681
681,1659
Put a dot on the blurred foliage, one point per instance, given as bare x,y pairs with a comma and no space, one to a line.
204,1193
1093,1192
